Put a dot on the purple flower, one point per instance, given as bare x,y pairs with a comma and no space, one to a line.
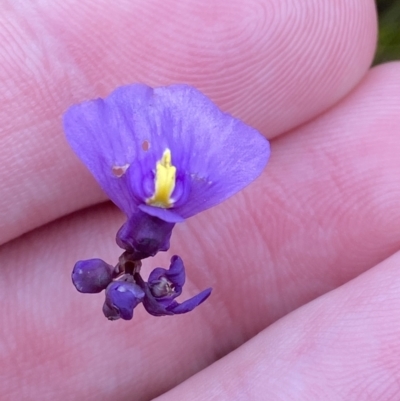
92,276
162,155
164,286
121,298
167,152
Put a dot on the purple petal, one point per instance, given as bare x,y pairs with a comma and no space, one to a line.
121,298
121,139
156,274
154,308
150,303
166,305
104,137
143,235
175,273
189,304
91,276
111,313
163,214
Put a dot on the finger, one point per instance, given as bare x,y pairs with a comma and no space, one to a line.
56,343
274,64
283,241
327,208
342,346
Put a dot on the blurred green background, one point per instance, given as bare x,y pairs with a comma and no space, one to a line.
389,31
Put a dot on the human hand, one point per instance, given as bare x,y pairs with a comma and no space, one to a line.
324,211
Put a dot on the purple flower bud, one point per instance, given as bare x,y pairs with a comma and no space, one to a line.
164,286
163,282
144,235
121,298
91,276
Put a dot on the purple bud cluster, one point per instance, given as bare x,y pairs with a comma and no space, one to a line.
125,288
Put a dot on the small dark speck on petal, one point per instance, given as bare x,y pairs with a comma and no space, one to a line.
145,145
119,171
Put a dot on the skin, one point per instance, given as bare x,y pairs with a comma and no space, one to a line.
303,262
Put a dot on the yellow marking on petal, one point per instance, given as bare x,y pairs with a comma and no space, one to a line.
164,182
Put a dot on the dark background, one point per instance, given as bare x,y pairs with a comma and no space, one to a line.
389,31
